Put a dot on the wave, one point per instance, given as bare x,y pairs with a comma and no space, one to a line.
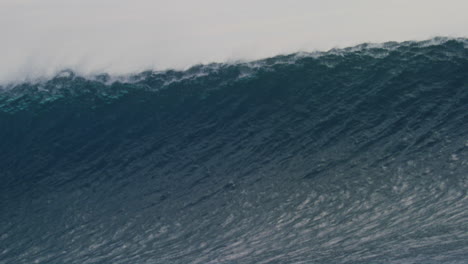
355,155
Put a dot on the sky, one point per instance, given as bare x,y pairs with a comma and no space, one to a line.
38,38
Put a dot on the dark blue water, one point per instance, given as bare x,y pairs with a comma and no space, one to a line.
357,155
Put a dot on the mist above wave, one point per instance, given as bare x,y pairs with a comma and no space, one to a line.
37,73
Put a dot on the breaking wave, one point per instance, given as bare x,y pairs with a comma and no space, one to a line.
356,155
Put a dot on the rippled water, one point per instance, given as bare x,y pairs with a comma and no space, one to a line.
349,156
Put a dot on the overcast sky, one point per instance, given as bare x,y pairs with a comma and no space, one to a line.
40,37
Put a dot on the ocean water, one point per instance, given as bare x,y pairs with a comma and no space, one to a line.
356,155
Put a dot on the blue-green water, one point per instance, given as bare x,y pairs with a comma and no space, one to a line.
357,155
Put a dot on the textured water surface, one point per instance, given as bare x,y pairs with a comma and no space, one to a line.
357,155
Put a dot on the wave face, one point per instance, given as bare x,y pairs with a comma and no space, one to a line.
357,155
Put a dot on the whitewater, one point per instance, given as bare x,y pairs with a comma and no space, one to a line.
355,155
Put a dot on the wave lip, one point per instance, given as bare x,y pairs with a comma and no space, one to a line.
370,49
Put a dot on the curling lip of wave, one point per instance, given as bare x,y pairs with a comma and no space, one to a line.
368,49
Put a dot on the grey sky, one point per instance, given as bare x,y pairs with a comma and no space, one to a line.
40,37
